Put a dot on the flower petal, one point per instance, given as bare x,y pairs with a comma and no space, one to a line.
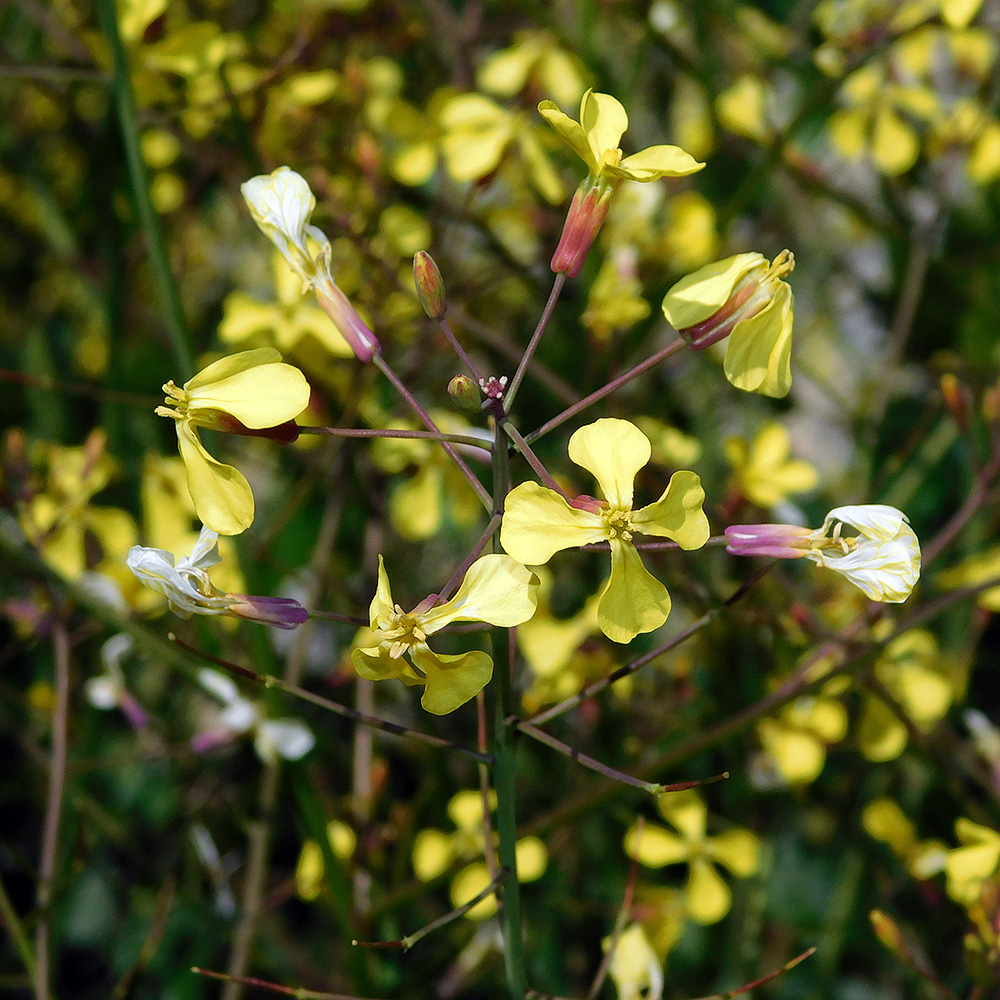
538,522
231,365
708,896
375,665
451,680
655,162
496,589
604,120
634,601
738,850
758,358
262,396
613,451
656,847
569,131
678,513
222,497
381,610
700,295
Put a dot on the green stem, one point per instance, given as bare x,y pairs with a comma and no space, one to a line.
504,774
139,177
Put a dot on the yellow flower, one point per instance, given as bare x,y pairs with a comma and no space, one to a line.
310,869
594,138
884,821
974,571
909,669
738,850
615,300
246,392
635,968
534,56
434,851
763,471
496,589
538,522
743,298
968,866
796,739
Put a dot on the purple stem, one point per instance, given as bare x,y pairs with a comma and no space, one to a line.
557,287
459,350
606,390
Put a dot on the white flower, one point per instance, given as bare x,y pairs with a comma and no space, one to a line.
273,738
282,204
189,591
871,544
882,559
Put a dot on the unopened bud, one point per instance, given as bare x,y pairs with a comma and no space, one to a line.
955,400
465,393
346,319
888,933
430,287
583,222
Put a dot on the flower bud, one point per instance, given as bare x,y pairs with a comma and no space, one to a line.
583,222
955,400
346,319
430,287
465,394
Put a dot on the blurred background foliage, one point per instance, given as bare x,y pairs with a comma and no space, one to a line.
864,773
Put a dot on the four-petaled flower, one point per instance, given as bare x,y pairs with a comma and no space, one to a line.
282,204
595,138
745,299
708,897
252,392
538,522
496,589
878,552
189,591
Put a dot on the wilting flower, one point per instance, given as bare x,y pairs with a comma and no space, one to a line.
881,556
708,897
538,522
745,299
595,138
252,392
496,589
290,739
282,204
189,591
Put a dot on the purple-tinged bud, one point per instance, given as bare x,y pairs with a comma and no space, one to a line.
777,541
493,387
345,318
465,394
282,612
588,503
583,222
430,287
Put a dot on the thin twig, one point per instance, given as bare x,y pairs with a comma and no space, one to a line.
366,432
571,411
53,811
543,322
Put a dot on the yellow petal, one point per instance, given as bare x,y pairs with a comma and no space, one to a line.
261,396
604,121
451,680
799,756
506,71
885,821
569,131
702,294
677,514
709,898
532,858
309,871
382,608
466,809
633,601
222,497
433,852
231,365
738,850
415,506
613,451
374,664
656,162
656,846
468,884
496,589
881,735
758,358
895,145
537,523
686,811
